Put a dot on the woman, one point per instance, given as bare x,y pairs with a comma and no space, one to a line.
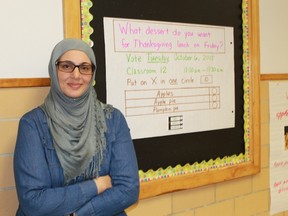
74,155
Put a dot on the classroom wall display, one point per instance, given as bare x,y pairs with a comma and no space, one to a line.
170,73
186,76
278,97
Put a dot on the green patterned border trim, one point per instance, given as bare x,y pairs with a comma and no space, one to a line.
246,77
86,18
204,166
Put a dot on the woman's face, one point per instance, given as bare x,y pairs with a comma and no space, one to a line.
74,84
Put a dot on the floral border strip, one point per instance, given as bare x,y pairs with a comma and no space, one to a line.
204,166
86,18
246,77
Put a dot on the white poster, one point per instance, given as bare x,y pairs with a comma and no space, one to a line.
278,97
170,78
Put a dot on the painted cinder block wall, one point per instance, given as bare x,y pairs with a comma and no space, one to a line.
239,197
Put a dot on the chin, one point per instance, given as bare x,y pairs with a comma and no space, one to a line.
74,96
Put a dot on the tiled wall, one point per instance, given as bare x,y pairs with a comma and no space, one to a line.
240,197
14,103
247,196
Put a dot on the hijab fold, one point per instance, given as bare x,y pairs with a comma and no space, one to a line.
77,125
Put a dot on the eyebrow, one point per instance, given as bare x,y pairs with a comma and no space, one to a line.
74,62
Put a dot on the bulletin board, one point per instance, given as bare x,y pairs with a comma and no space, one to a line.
188,160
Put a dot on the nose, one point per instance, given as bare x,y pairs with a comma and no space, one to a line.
76,72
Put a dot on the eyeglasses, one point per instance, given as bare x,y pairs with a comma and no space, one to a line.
69,67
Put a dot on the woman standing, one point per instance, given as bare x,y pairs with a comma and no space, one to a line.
74,154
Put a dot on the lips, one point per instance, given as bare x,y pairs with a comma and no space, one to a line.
74,85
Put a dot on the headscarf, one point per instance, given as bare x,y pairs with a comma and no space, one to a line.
77,125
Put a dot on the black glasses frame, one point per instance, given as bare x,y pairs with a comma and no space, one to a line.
74,66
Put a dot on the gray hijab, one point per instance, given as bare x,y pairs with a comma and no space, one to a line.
77,125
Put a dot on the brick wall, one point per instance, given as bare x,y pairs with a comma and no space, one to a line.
14,103
240,197
247,196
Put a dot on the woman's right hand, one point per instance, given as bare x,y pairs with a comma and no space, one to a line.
103,183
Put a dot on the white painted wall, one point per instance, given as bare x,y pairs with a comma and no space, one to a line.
29,31
31,28
273,36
